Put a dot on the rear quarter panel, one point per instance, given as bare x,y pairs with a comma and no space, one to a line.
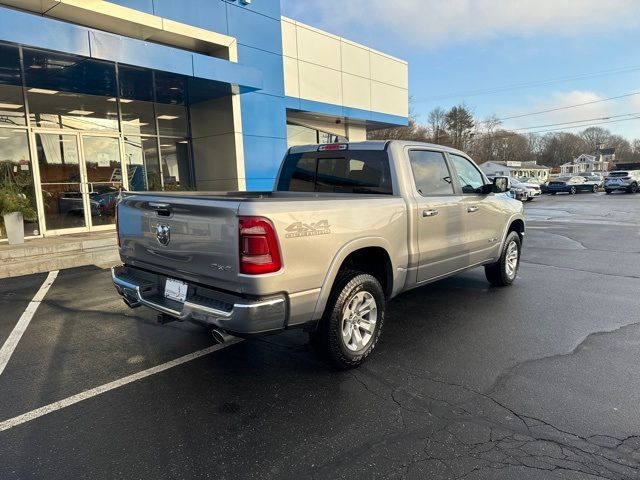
315,237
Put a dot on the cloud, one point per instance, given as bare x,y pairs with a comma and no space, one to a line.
432,23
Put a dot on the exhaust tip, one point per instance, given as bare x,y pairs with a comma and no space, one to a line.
219,336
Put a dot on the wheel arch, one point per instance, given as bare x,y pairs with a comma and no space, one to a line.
369,255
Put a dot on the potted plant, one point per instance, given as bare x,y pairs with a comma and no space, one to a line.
14,209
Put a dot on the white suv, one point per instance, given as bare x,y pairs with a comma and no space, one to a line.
627,180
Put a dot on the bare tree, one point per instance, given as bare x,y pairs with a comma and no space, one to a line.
595,136
437,121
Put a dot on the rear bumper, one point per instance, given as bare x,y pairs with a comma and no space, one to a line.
235,315
617,186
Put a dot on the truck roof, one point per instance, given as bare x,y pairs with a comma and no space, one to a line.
375,145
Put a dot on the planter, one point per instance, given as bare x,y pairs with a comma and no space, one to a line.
14,226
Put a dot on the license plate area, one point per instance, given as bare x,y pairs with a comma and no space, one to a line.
176,290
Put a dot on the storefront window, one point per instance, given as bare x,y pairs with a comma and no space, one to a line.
55,109
175,163
300,135
16,172
172,120
11,96
143,163
137,117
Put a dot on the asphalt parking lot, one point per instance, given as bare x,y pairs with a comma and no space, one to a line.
535,381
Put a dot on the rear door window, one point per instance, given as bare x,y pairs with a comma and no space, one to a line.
430,173
344,171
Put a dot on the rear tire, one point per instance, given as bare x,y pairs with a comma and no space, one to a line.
573,190
633,188
595,189
503,272
608,192
352,321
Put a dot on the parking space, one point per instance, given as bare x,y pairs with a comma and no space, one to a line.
534,381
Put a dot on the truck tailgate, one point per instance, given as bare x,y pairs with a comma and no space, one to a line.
192,238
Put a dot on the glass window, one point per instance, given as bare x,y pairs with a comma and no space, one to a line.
172,120
56,109
138,117
176,165
299,135
16,172
11,96
471,179
143,163
430,173
337,172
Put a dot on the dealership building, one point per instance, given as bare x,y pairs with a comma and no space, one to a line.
99,96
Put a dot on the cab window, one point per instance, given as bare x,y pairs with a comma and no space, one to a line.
470,178
430,173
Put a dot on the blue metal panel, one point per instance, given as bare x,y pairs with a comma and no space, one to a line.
145,6
29,29
208,14
225,71
260,184
254,30
270,8
263,115
107,46
262,156
292,103
269,64
325,108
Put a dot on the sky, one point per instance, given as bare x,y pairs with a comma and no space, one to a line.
504,57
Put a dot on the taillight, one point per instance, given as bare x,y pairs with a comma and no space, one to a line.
259,250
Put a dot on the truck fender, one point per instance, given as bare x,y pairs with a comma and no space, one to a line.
337,262
513,218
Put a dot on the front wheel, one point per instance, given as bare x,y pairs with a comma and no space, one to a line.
595,189
633,188
352,322
503,272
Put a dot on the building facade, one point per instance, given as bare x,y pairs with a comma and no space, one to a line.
99,96
600,161
517,170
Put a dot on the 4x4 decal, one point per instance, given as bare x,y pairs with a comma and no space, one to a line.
299,229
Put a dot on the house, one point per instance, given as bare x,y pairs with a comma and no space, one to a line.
598,161
516,169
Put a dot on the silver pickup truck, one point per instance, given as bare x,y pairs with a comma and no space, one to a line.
347,228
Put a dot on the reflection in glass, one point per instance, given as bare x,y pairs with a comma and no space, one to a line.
104,177
176,167
172,120
137,117
59,164
143,163
54,109
16,171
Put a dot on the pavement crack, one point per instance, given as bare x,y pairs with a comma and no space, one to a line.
635,277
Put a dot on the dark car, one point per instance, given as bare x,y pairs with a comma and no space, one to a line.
571,185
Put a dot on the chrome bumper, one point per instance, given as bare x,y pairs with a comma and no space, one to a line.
241,316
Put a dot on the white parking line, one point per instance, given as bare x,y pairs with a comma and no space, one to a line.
14,337
52,407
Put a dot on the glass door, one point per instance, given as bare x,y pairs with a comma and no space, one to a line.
104,177
61,182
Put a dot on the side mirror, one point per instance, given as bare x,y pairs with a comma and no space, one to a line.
499,185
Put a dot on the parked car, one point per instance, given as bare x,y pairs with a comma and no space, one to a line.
627,180
572,185
528,190
595,178
380,218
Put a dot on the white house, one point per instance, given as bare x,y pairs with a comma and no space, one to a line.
517,169
599,161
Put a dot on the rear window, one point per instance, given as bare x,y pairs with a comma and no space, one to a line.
619,174
344,171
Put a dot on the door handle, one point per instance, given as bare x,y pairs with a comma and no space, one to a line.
429,213
472,208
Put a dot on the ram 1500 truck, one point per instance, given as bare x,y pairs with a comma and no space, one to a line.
347,228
